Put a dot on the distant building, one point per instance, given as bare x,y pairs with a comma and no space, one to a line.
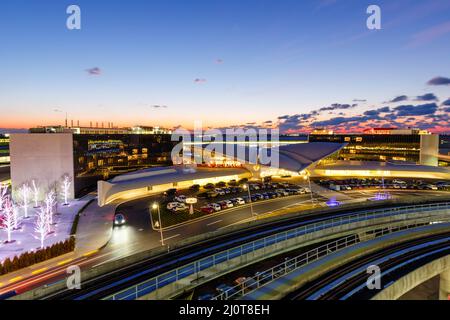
109,129
386,144
4,149
322,131
85,154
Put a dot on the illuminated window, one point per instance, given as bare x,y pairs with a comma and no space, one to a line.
347,139
359,139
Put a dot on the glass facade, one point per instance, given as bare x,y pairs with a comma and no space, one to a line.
102,157
374,147
4,149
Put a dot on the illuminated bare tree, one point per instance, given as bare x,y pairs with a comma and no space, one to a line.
8,217
65,186
35,194
3,195
41,225
25,194
16,217
50,199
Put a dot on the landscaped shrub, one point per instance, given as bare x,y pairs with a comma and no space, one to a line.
27,259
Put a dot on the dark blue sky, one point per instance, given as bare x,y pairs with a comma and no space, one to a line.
225,62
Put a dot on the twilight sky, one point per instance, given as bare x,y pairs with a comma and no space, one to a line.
287,63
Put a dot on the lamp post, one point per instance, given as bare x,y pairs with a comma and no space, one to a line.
155,206
246,186
307,174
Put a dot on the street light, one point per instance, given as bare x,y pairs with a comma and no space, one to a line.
246,186
306,176
155,206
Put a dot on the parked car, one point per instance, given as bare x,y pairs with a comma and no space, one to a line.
172,205
171,192
207,209
223,205
221,192
431,187
179,207
212,194
229,203
194,187
181,198
215,206
234,201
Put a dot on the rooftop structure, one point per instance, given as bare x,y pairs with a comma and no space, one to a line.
102,129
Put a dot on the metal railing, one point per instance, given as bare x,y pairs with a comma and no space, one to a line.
195,267
265,277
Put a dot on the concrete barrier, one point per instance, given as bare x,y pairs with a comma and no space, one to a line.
414,278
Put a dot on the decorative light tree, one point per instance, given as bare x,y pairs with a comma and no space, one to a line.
65,186
3,195
8,217
35,194
41,225
25,193
16,218
49,203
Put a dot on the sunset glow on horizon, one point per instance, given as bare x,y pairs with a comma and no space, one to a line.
295,66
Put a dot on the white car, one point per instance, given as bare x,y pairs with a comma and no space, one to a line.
215,206
229,203
240,201
180,207
181,198
220,191
172,205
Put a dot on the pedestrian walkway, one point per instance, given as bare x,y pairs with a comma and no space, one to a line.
94,226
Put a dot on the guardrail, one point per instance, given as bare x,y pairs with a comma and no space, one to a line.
192,268
265,277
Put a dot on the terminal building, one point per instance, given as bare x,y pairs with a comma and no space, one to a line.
385,144
123,163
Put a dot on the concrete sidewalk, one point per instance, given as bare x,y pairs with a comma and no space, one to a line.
94,226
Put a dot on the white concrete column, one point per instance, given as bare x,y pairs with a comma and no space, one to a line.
444,285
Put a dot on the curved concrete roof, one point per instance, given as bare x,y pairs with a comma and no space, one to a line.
292,157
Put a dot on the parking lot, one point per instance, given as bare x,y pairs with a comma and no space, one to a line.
376,183
174,207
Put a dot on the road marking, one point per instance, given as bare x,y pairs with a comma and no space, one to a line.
171,237
16,279
90,253
210,224
39,271
64,262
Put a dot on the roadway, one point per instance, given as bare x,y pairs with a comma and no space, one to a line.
138,235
